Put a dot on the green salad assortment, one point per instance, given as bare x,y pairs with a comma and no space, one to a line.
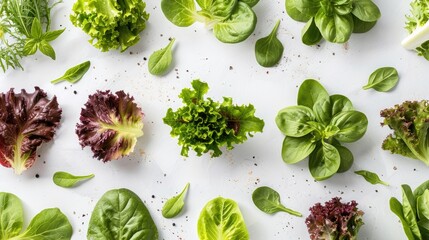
320,127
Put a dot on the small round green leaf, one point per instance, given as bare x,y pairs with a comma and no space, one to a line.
160,61
174,205
383,79
324,162
268,201
297,149
269,50
293,121
179,12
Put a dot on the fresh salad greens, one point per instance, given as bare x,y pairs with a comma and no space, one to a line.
174,205
418,28
121,214
221,219
269,50
232,21
74,74
410,123
67,180
371,177
268,201
49,224
110,124
205,125
316,128
26,121
414,211
335,21
383,79
111,24
334,220
25,27
160,61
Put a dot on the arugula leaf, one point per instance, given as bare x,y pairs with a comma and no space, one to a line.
371,177
74,74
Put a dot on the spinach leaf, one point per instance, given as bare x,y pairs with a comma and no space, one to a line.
346,157
334,28
324,162
121,214
297,149
421,189
11,215
221,219
352,125
66,180
383,79
174,205
371,177
322,109
423,206
251,3
339,104
366,10
293,11
238,27
74,74
222,9
310,34
361,26
268,201
269,50
310,91
409,208
396,208
179,12
160,61
293,121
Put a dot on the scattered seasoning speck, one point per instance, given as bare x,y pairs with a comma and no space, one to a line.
395,168
37,175
75,92
230,68
174,224
153,196
145,58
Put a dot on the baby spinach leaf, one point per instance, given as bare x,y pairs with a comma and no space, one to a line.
366,10
346,157
238,27
66,180
121,214
396,208
310,34
371,177
383,79
340,103
74,74
251,3
11,215
324,162
222,9
268,201
293,121
297,149
323,111
179,12
336,28
174,205
221,219
293,11
361,26
310,91
269,50
160,61
352,125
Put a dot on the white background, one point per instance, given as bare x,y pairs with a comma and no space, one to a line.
156,167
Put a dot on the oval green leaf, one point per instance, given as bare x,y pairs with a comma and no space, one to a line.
297,149
268,201
340,103
293,11
361,26
292,121
347,159
324,162
310,91
383,79
335,28
352,125
366,10
222,9
371,177
179,12
74,74
269,50
160,61
67,180
310,34
174,205
11,215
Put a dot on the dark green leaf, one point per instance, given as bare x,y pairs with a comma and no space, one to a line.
269,50
268,201
371,177
310,34
366,10
293,11
74,74
297,149
293,121
66,180
346,159
52,35
160,61
310,91
383,79
361,26
47,49
396,208
335,28
174,205
352,125
324,162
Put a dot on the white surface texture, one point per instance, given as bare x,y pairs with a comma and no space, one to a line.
156,171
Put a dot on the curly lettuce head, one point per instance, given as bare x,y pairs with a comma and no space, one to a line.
112,24
110,124
418,17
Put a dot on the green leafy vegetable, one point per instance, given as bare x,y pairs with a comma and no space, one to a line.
269,50
316,128
410,123
121,214
24,29
49,224
334,21
232,21
160,61
205,125
64,179
221,219
174,205
383,79
268,201
418,28
371,177
111,24
413,212
74,74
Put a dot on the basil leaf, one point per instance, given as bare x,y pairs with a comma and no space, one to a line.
361,26
335,28
310,34
238,27
36,29
268,201
30,47
396,208
371,177
160,61
11,216
366,10
174,205
269,50
293,11
121,214
293,121
310,91
49,224
46,49
297,149
339,104
346,157
52,35
423,206
179,12
66,180
74,74
383,79
222,217
352,125
324,162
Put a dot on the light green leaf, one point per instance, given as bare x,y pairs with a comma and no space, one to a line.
335,28
293,121
67,180
36,29
297,149
310,91
366,10
269,50
423,205
293,11
383,79
324,162
11,216
371,177
179,12
352,125
396,208
74,74
160,61
30,47
52,35
268,201
47,49
174,205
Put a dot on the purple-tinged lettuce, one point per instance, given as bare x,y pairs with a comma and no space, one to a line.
26,121
334,221
110,124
